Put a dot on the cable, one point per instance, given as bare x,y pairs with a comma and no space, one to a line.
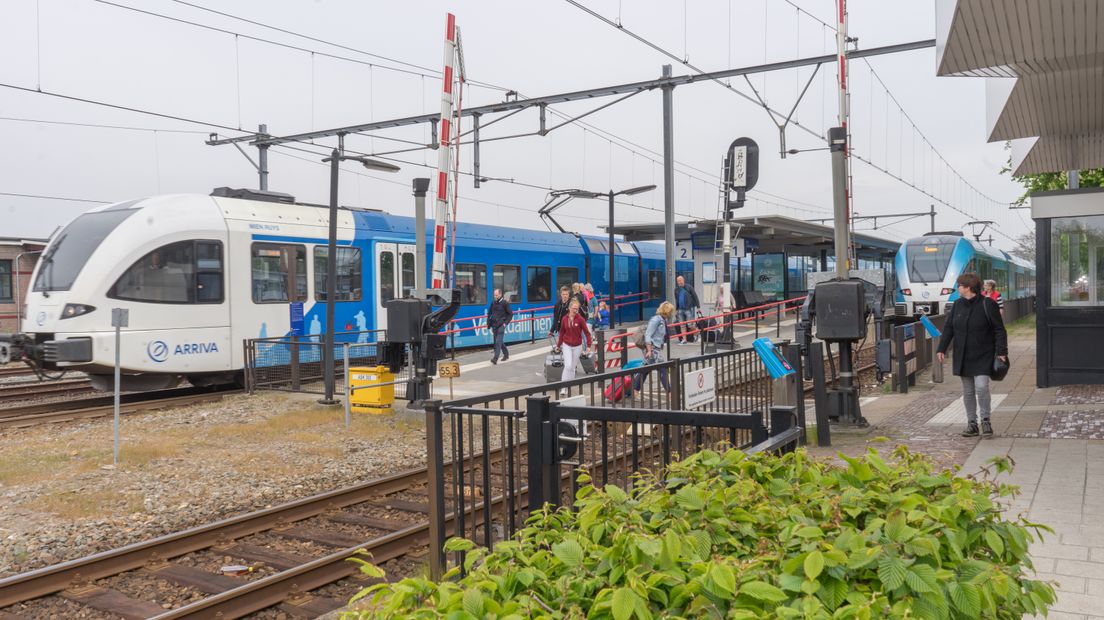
263,40
98,126
101,202
123,107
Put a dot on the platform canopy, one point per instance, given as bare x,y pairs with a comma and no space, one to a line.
774,233
1044,64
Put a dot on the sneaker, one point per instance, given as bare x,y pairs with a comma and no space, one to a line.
505,357
986,429
971,430
494,361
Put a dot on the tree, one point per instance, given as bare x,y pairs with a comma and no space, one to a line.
1025,246
1049,181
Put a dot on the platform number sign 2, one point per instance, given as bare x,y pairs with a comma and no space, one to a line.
684,250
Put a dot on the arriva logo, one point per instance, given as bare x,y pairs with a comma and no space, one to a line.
158,351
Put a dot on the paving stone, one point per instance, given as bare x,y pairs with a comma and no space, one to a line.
1079,603
1077,568
1060,551
1065,583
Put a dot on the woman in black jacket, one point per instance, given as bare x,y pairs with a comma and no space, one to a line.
977,332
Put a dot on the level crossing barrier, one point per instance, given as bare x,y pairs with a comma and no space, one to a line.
480,449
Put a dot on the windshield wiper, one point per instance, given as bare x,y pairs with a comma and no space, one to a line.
47,263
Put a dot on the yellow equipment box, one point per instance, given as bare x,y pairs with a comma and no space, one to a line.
375,399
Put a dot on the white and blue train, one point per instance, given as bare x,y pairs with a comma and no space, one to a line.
199,275
928,266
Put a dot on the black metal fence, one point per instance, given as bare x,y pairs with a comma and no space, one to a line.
493,458
913,350
294,363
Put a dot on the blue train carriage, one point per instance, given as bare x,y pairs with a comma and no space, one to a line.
927,268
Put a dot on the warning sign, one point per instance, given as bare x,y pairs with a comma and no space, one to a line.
700,387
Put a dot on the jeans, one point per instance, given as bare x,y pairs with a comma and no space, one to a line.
499,344
686,314
570,361
975,392
658,358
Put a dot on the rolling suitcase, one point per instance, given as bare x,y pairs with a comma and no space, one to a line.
553,367
589,364
618,388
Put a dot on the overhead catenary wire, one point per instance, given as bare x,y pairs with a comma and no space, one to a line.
64,198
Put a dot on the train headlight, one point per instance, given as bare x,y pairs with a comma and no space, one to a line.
945,291
906,291
72,310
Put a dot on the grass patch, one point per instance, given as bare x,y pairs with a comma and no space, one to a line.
85,504
30,466
153,449
1023,326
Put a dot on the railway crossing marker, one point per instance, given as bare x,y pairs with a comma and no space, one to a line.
450,370
120,318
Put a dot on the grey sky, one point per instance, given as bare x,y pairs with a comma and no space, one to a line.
95,50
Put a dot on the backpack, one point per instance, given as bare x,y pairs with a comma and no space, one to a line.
638,335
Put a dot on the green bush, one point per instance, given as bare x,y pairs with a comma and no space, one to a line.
737,536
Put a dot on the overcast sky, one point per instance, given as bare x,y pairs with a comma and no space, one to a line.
95,50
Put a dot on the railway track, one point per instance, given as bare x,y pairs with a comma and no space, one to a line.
387,517
16,392
99,406
15,371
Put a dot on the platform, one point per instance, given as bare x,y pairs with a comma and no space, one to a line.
1054,435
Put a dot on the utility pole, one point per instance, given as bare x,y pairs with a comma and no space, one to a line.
421,186
932,217
668,186
262,158
843,255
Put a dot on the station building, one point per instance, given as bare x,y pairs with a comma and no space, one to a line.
1043,65
771,258
17,260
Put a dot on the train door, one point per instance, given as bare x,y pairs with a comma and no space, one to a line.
394,268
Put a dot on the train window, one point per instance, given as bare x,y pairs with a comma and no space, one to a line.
186,272
407,274
6,281
566,276
927,258
507,278
471,279
625,248
538,284
348,282
655,284
71,248
596,245
387,276
279,273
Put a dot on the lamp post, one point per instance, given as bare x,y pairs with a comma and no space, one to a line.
613,247
335,159
558,198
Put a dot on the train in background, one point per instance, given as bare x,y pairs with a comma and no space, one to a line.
202,274
928,266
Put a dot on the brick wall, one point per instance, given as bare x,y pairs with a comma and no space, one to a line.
20,277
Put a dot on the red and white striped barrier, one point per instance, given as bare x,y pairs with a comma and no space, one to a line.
444,157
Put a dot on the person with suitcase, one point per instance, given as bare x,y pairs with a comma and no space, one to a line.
570,339
655,337
560,311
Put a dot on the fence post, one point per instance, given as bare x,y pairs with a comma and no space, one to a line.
601,337
435,450
757,313
820,402
759,429
624,347
793,356
536,414
533,327
452,339
782,419
901,377
295,376
348,388
778,319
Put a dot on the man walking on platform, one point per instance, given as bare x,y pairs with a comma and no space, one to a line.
686,303
499,316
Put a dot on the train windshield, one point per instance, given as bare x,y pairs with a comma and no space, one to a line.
928,258
69,251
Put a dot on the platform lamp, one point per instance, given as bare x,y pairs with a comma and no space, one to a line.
557,198
335,159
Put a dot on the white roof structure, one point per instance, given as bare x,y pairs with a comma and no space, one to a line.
1044,65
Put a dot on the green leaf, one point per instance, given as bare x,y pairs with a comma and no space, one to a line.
916,583
814,563
690,498
459,544
624,601
891,570
616,493
569,552
473,602
809,531
994,541
724,577
966,598
832,592
763,591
